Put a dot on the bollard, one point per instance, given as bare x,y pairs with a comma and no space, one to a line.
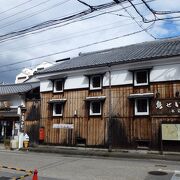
35,176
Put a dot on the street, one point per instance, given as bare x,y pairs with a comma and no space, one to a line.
56,166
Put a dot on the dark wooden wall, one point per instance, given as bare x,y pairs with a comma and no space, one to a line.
32,120
126,128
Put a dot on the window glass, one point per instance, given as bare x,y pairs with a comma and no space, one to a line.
57,109
141,78
58,86
96,107
96,81
141,105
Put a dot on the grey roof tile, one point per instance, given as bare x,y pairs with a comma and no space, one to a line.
17,88
132,53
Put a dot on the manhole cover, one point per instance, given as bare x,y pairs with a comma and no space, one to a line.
158,173
4,178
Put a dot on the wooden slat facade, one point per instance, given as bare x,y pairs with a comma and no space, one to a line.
32,120
126,128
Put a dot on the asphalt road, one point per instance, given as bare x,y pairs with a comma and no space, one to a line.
55,166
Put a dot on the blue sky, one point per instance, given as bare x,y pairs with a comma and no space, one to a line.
20,14
172,29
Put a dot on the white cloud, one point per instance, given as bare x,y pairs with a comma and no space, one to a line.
63,38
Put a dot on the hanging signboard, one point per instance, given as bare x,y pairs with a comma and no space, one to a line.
63,126
166,107
170,132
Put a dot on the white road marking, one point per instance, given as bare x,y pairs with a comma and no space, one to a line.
170,171
176,173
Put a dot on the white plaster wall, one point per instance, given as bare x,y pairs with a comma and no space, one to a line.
46,85
119,77
122,77
165,73
76,82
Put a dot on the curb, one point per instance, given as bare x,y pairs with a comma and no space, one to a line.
113,154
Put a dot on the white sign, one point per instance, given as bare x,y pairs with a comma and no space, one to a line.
171,132
63,126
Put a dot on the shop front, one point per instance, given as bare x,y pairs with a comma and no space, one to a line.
9,125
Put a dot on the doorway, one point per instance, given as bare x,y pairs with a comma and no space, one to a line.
6,128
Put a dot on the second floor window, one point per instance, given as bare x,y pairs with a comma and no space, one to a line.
141,107
141,78
58,86
95,82
95,108
57,109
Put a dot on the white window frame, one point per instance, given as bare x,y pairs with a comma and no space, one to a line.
91,82
141,113
90,110
54,88
62,109
141,84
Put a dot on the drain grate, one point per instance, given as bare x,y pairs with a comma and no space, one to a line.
4,178
158,173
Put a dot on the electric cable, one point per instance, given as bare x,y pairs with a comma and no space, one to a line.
72,49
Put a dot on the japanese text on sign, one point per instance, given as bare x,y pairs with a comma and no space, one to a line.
63,126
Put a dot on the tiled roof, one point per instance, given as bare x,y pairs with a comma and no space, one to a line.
132,53
17,88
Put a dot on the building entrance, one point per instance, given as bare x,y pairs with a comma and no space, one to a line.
6,130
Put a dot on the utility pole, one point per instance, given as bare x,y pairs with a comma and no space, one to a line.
116,1
110,114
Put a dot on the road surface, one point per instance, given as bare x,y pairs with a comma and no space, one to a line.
60,167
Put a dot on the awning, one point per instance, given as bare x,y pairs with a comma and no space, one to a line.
141,95
54,78
95,74
57,101
95,98
140,69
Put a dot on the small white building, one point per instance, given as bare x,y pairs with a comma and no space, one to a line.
24,75
27,74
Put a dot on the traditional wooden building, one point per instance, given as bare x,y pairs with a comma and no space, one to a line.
19,110
115,97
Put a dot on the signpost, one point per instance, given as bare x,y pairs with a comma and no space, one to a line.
68,127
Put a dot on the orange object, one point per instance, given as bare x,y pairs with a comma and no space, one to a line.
35,176
41,133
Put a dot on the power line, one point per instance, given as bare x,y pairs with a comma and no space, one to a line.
82,2
159,12
143,18
34,14
133,18
15,6
51,27
73,35
80,47
24,10
56,21
153,12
